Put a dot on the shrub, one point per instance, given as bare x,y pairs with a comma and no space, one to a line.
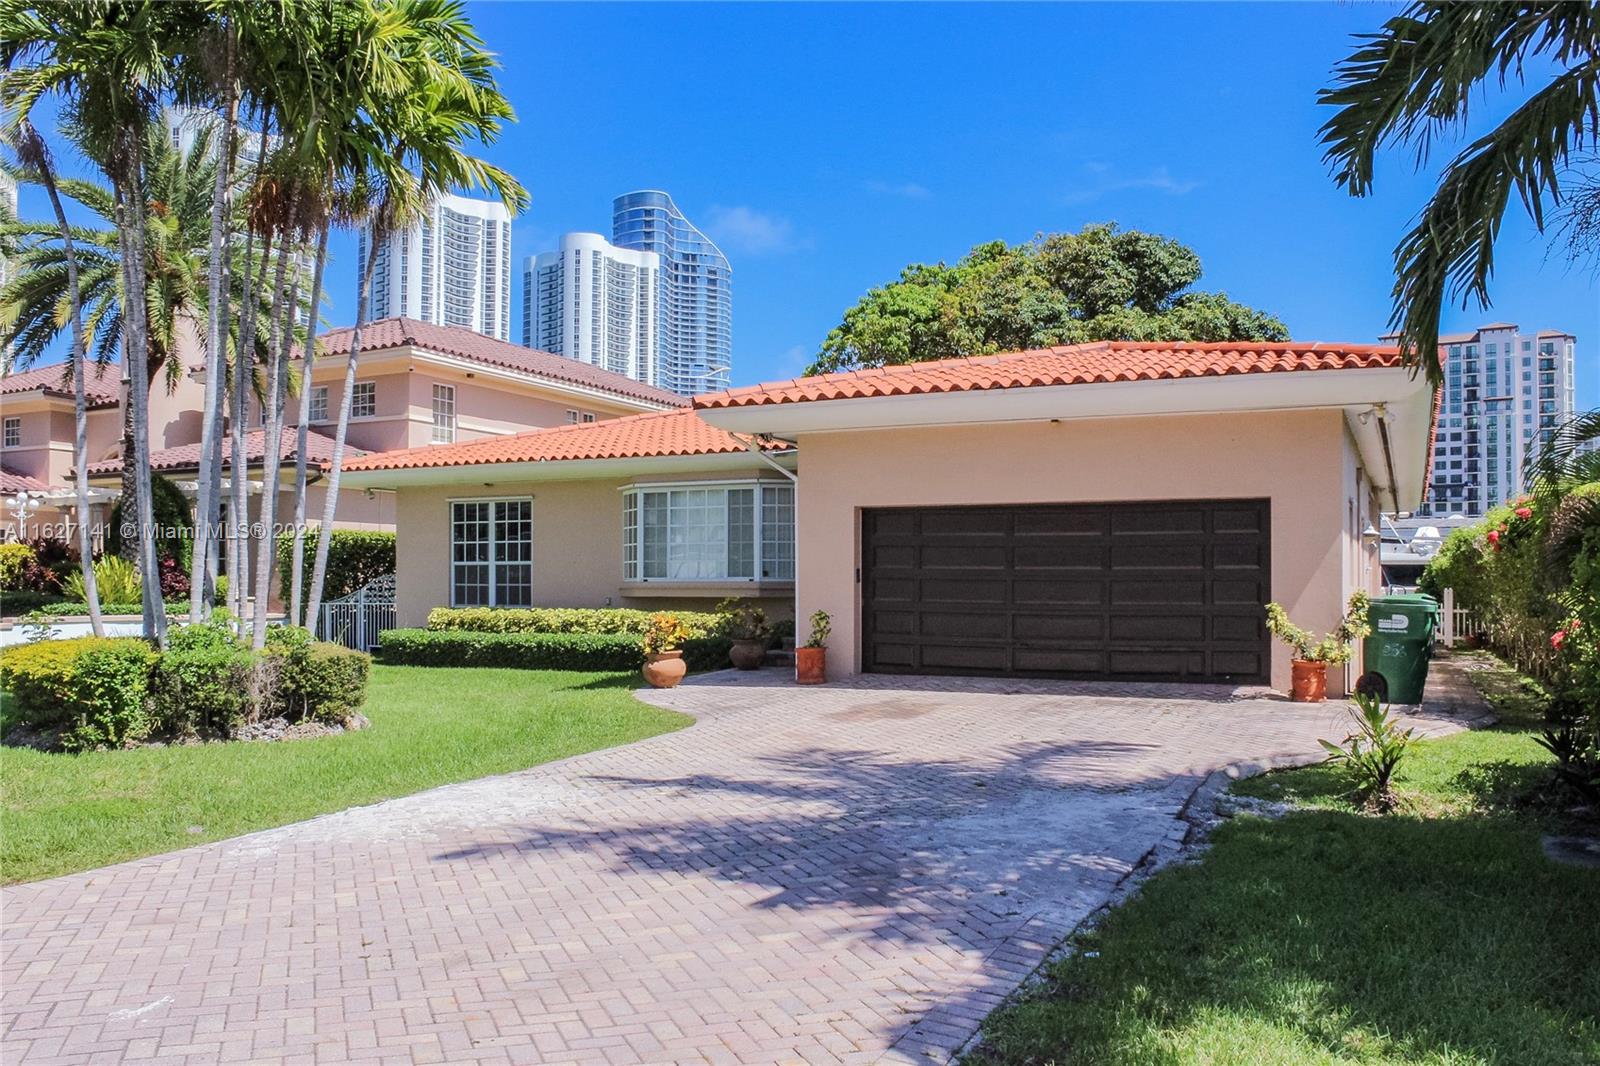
530,651
706,653
355,557
93,686
563,620
15,560
821,629
115,578
173,518
664,634
1373,751
320,681
1336,647
205,680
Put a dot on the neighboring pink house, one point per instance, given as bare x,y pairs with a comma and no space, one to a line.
417,384
1109,511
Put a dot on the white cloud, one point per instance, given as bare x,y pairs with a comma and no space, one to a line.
744,229
908,190
1100,179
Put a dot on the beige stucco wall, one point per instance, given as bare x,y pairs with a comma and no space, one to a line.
577,549
1303,462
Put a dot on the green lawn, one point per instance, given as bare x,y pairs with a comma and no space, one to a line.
430,726
1438,936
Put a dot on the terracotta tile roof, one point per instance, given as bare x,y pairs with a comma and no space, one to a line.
465,344
13,482
1076,364
103,388
319,453
634,437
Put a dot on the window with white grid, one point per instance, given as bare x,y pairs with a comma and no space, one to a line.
491,553
444,414
12,437
739,531
319,404
364,399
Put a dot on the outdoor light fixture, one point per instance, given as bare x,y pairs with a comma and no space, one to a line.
1371,533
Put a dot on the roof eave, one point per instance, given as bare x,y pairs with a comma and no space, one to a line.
489,474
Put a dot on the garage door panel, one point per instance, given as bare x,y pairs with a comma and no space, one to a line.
963,590
1157,555
967,556
1168,592
1162,628
1158,591
1147,521
1040,627
1059,593
1057,554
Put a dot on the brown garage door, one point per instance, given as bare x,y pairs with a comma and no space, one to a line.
1169,590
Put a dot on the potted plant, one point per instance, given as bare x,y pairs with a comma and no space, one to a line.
746,625
811,659
1309,678
663,659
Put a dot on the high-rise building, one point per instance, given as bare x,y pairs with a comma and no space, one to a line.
596,303
184,125
696,332
451,267
1505,394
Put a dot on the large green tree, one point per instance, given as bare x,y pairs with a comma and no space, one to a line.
1420,79
1100,283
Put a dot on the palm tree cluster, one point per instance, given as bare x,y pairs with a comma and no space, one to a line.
359,113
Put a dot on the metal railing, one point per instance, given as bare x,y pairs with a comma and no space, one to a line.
359,620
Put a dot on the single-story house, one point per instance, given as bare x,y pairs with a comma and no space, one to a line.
1116,510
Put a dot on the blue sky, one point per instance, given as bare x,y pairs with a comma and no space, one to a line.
827,146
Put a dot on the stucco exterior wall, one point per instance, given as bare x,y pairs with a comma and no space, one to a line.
1303,462
577,549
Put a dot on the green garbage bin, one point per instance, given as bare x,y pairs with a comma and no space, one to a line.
1399,646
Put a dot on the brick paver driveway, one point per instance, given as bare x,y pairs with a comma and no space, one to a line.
837,874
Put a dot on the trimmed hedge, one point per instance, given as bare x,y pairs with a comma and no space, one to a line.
93,688
355,557
314,679
528,651
538,651
563,620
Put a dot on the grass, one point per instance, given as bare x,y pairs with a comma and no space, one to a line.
1439,935
430,726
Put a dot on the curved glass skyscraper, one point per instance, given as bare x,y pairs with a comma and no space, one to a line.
695,344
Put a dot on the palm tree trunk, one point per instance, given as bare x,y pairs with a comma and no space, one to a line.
297,562
80,408
201,567
279,336
244,378
136,329
331,501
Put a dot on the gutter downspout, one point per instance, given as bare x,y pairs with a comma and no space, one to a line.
754,448
1388,454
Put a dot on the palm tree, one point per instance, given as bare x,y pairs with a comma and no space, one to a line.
180,187
35,155
1414,81
109,60
430,90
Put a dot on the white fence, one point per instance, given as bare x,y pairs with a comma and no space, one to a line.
359,619
1455,623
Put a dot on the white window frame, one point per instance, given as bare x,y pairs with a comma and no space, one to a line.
444,414
319,401
632,530
371,390
11,434
588,416
491,562
572,417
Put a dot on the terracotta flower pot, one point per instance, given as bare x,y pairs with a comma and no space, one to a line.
748,653
1308,681
665,670
810,665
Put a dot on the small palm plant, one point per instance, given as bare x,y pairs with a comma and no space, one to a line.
1372,751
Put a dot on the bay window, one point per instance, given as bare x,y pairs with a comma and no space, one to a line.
734,531
491,553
